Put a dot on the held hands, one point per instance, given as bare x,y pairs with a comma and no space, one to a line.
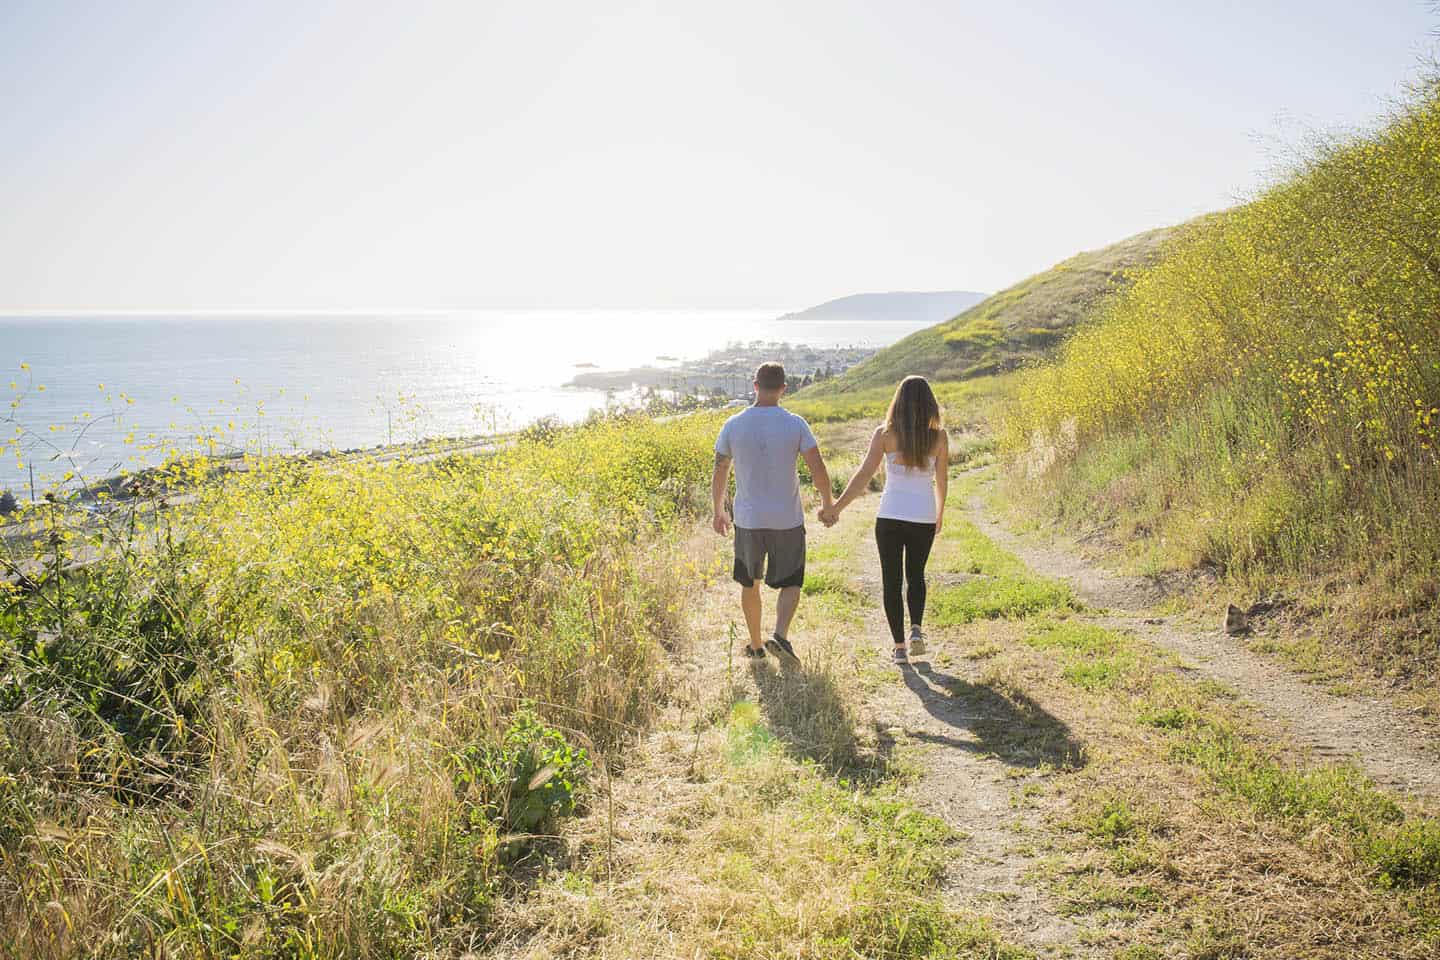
828,515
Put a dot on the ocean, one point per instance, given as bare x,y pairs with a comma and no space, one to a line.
100,389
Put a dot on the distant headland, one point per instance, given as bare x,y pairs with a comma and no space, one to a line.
902,305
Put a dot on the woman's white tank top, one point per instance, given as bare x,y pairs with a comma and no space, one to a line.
909,491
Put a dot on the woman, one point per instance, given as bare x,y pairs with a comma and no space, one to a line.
916,451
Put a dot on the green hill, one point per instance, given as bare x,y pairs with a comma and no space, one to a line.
1265,401
1002,331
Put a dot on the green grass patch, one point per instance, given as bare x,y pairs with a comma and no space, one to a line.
1087,894
1101,673
1337,794
1005,588
1112,820
992,598
828,581
1408,855
746,736
967,550
1168,718
830,597
1095,658
1401,851
823,553
1074,636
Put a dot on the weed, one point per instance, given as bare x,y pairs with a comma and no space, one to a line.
1408,855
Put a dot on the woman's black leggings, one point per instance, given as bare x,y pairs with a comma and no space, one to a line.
904,548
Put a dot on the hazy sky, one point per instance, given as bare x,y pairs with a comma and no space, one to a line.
213,155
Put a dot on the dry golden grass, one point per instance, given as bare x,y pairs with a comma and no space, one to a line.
756,821
1154,853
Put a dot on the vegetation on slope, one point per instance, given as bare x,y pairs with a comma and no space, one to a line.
1005,330
966,403
326,710
1266,399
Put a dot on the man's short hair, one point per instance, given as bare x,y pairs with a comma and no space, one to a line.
770,376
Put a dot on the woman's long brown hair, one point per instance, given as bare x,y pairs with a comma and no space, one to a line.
914,419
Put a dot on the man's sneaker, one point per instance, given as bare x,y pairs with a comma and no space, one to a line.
782,650
754,653
917,642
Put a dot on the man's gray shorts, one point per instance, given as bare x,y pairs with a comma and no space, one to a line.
784,550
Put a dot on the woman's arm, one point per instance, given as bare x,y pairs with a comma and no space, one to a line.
942,478
865,471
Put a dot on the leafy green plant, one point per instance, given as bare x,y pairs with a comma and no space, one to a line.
527,780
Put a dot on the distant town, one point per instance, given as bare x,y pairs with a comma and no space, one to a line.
727,372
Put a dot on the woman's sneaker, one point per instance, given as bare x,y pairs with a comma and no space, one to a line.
917,641
753,653
899,655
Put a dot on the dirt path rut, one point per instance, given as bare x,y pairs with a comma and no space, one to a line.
978,754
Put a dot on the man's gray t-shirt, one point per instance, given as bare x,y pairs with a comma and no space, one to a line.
764,442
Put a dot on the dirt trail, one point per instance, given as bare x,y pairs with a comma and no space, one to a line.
1390,746
975,790
978,756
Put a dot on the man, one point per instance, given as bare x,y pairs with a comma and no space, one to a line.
763,442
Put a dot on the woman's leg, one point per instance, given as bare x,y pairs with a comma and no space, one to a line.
889,539
919,538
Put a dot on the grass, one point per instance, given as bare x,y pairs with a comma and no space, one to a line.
966,404
1000,587
1002,332
996,598
761,849
1264,401
1094,658
1338,796
335,710
970,551
1193,828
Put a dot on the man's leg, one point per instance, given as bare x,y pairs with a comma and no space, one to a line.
749,567
750,603
785,610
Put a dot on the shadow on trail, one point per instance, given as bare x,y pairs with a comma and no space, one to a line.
1013,728
804,709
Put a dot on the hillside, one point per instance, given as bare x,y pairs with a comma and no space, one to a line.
1265,402
1023,322
901,305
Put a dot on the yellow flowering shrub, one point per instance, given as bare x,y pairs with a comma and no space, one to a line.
1319,297
1265,399
321,707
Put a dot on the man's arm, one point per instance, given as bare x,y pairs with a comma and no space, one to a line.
719,486
820,476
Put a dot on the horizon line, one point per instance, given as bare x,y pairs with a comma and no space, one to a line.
12,313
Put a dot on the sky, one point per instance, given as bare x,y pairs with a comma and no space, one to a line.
302,155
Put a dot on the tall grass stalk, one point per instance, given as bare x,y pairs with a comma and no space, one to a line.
1266,399
334,710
